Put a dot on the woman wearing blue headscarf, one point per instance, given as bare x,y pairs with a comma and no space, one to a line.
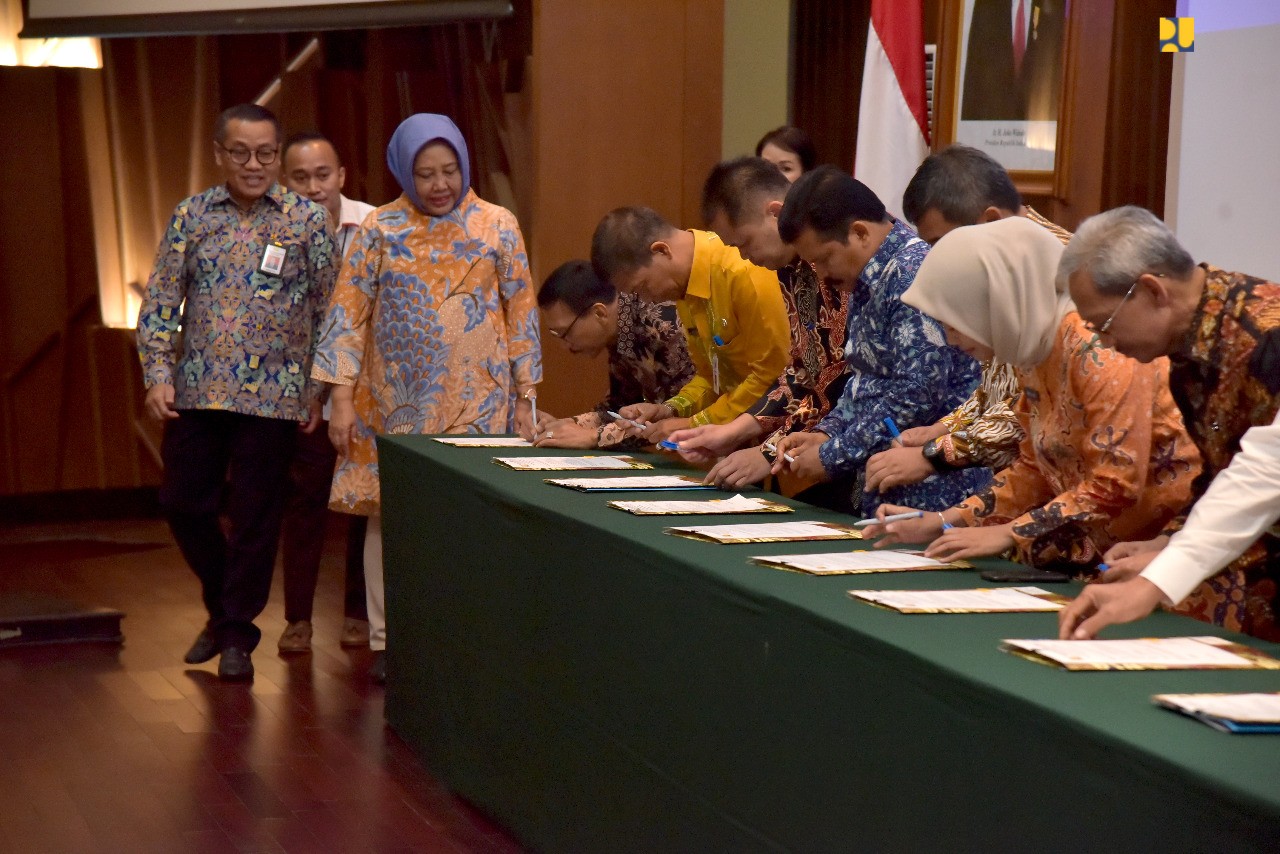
433,325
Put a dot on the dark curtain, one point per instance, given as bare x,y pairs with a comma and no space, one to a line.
830,44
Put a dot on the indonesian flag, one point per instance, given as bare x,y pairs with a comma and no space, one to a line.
893,124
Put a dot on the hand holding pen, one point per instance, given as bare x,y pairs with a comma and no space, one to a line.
627,422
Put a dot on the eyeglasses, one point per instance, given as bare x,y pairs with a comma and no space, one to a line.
564,336
240,156
1102,330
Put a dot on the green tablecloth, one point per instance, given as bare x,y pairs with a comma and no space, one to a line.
597,685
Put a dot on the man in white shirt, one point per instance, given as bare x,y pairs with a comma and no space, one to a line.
1242,502
312,169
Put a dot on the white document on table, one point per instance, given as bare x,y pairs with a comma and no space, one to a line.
484,441
736,504
1243,708
857,562
986,600
624,484
592,463
1189,653
768,532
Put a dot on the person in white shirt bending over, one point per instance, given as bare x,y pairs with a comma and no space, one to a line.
1240,504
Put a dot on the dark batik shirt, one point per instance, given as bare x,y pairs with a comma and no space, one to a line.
650,362
1225,379
811,384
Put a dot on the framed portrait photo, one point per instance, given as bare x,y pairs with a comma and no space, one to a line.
1004,61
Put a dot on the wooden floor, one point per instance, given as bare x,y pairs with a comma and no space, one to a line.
127,749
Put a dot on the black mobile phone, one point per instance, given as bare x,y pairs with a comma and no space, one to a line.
1024,574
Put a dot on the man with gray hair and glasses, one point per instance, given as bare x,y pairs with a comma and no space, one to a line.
1145,297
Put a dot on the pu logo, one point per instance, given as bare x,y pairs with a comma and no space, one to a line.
1177,35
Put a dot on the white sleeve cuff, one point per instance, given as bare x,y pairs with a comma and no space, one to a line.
1176,573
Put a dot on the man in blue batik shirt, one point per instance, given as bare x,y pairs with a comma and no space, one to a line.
901,366
244,270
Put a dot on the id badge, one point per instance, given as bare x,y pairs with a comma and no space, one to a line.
273,257
715,373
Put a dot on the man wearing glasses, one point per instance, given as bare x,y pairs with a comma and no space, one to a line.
648,358
226,333
1145,297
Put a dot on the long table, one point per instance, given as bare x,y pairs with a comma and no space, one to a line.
594,684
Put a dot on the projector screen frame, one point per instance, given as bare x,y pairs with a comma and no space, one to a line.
345,16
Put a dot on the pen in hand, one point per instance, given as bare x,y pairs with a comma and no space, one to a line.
773,449
532,396
896,517
639,425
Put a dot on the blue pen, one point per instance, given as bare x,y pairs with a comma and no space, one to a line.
669,445
893,428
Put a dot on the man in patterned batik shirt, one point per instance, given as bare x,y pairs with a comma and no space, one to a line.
648,358
741,200
960,186
1146,298
226,335
901,369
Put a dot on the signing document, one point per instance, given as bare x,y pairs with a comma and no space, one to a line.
570,463
737,504
1228,712
484,441
1193,653
986,600
629,483
768,532
856,563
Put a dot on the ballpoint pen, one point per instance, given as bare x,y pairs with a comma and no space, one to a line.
773,449
896,517
532,396
639,425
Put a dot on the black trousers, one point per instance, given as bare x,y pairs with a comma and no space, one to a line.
302,538
206,452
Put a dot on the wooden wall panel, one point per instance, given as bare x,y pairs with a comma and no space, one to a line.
1136,156
33,277
626,111
52,437
1082,124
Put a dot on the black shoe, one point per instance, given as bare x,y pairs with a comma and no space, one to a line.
204,649
378,672
235,665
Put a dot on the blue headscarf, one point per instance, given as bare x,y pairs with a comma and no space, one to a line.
411,137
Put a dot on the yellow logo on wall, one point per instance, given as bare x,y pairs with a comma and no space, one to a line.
1177,35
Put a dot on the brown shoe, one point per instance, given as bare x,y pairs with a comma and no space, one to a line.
355,633
296,637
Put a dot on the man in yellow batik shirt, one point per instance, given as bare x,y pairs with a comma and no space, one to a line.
733,314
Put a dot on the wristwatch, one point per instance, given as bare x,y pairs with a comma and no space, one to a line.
932,451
